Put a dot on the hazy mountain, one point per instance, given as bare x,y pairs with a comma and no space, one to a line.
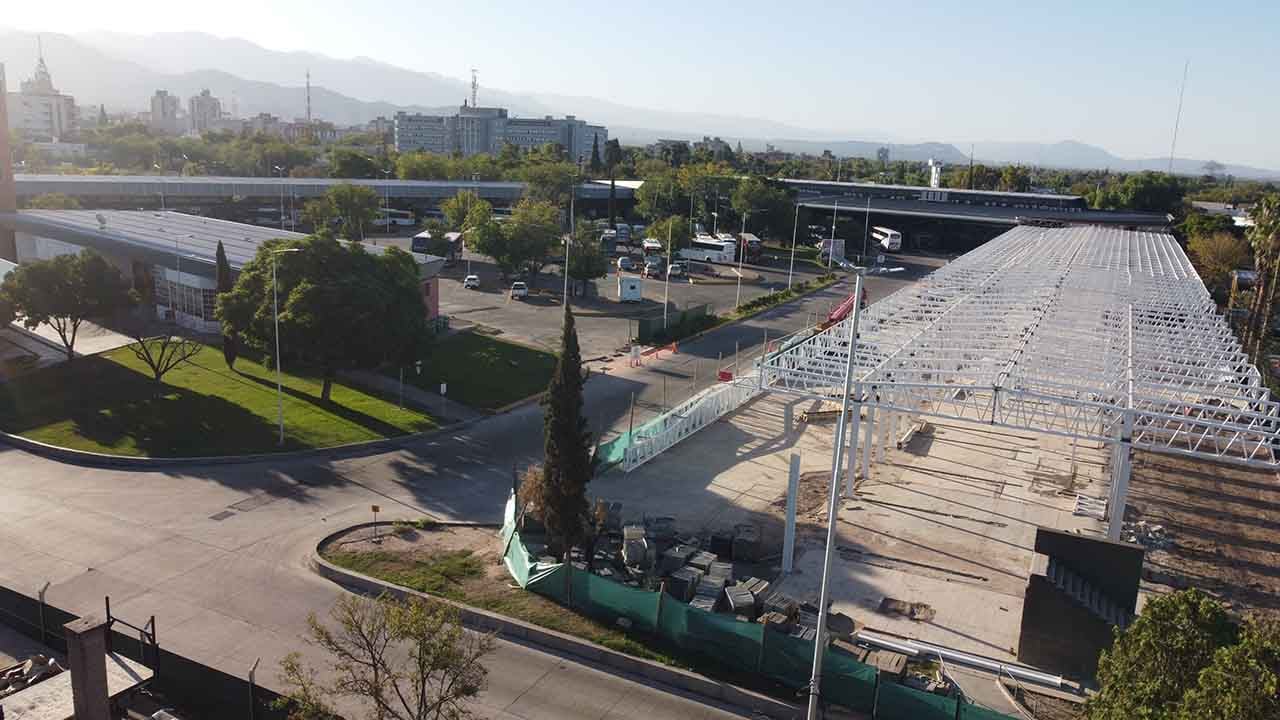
122,71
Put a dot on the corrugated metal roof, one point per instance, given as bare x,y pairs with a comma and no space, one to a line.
987,213
163,236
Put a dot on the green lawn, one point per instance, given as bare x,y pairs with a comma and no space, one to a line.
109,403
483,372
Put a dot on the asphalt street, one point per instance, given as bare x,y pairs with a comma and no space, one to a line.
219,554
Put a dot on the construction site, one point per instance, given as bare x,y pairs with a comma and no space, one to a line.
1037,437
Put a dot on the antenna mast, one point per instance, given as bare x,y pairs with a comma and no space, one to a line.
1177,119
475,85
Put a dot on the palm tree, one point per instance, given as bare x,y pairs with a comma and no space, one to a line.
1264,236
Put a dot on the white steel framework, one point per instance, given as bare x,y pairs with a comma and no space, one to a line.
1088,332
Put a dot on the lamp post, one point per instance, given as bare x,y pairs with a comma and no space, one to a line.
742,247
831,251
794,227
157,167
386,196
666,280
275,312
866,233
280,170
573,226
715,221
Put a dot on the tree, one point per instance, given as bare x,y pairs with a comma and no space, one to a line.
531,232
1159,657
1198,222
162,353
1264,236
345,207
64,292
1015,178
657,197
1242,682
422,166
596,163
53,201
587,260
1217,255
456,208
348,163
612,159
882,154
549,182
675,228
230,340
340,306
771,206
567,464
404,660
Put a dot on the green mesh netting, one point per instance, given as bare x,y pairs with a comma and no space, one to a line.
899,702
743,646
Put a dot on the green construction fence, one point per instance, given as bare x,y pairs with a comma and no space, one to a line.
741,646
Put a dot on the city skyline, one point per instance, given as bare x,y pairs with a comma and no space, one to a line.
986,76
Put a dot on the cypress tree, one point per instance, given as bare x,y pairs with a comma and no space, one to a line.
596,164
230,341
568,464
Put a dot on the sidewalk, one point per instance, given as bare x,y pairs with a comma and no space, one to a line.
414,396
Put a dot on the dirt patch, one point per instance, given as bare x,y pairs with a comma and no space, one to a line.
1222,525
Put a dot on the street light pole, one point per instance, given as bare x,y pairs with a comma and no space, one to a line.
831,251
866,233
386,197
275,312
742,242
573,226
280,170
794,227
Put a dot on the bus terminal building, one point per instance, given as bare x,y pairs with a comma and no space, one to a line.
172,253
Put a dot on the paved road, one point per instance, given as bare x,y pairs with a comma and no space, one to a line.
218,554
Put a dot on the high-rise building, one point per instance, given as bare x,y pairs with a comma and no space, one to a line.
475,130
164,113
38,111
205,112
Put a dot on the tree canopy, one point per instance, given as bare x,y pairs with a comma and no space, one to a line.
64,291
340,306
457,208
53,201
587,260
520,243
1156,660
1216,255
344,208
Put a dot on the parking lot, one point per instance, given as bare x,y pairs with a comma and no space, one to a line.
606,325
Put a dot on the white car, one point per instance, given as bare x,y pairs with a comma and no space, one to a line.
471,282
675,270
519,290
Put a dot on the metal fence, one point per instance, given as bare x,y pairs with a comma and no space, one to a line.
685,419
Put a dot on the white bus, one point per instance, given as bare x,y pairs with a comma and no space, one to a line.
887,238
705,248
390,217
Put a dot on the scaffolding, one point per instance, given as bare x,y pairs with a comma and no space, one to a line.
1087,332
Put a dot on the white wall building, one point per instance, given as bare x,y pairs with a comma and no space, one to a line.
38,111
476,130
164,113
204,111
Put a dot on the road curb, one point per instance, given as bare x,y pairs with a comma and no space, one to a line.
105,460
683,680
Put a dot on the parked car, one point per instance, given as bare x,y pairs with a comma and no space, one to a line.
675,270
519,290
626,264
471,282
653,265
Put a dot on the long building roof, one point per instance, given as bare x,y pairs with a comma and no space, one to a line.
987,213
30,185
162,237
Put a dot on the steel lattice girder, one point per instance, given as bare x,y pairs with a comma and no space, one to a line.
1085,331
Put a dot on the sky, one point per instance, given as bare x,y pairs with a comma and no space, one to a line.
1101,72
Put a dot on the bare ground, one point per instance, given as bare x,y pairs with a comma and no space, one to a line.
1224,523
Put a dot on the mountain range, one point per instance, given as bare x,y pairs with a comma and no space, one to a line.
121,71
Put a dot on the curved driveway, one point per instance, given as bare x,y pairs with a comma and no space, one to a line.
218,554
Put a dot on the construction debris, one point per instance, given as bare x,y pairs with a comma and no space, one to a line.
920,612
24,675
1150,536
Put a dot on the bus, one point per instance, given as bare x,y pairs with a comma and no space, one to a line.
887,238
391,218
706,248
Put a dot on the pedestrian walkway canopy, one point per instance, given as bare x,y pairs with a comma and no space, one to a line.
1089,332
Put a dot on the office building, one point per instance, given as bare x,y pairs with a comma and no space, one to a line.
477,130
205,112
164,113
38,111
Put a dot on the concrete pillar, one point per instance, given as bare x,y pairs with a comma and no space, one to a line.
789,532
867,444
87,656
1121,464
8,192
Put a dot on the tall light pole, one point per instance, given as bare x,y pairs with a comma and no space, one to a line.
794,227
573,226
666,280
279,170
715,222
742,243
846,414
866,232
386,196
157,167
275,312
831,252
